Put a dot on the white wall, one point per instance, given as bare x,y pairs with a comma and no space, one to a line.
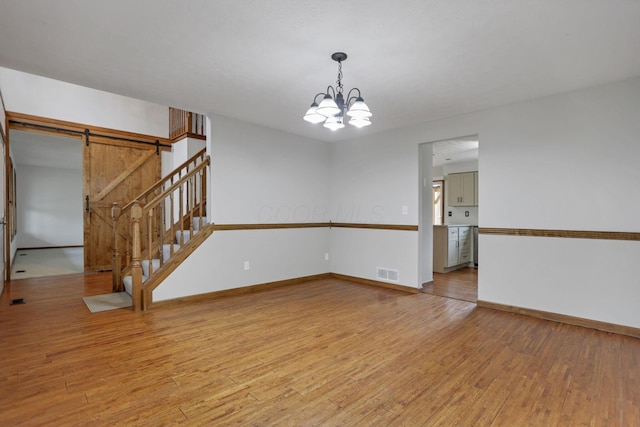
181,151
273,255
460,167
49,207
562,162
41,96
359,252
566,162
372,179
425,199
592,279
258,175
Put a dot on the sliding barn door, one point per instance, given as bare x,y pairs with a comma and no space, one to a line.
113,172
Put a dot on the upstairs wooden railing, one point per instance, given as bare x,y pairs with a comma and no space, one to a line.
154,219
186,124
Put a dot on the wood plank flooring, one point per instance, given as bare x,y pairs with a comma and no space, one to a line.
326,352
459,284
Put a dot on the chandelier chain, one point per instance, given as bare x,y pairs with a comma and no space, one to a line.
339,81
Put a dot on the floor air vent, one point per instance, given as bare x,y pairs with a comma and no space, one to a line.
388,274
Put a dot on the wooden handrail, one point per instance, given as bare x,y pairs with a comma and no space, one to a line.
125,210
200,155
175,185
150,224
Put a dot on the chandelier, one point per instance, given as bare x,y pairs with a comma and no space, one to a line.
332,111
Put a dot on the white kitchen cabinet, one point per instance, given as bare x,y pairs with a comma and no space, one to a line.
462,189
464,245
451,247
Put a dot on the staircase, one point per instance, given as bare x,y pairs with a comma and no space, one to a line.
154,233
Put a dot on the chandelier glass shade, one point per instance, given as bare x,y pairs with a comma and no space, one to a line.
332,108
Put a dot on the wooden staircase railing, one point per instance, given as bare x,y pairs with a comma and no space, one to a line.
121,217
169,179
151,222
186,124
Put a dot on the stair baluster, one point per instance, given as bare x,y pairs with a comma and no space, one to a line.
116,265
148,238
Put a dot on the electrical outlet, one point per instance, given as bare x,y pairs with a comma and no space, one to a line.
405,210
326,256
246,265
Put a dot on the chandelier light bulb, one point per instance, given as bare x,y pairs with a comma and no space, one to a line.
334,123
328,107
359,109
359,122
312,115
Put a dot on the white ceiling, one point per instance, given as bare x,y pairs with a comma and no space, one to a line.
263,61
455,151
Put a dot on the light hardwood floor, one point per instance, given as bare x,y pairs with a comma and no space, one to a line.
327,352
459,284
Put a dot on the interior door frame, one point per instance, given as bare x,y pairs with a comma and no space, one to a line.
56,127
425,217
4,135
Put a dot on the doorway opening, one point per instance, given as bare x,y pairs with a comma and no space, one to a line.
48,205
76,174
455,210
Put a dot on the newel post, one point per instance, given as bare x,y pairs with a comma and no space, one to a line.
136,267
116,264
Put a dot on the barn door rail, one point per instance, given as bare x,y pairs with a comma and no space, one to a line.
87,133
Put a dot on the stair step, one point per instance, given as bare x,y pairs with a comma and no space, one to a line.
128,280
196,222
145,266
128,283
166,251
186,236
